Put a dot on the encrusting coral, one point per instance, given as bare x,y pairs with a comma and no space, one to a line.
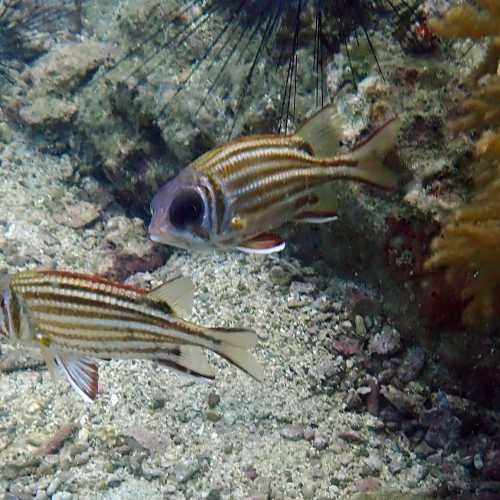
469,245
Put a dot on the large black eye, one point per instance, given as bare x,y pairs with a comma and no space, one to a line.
186,208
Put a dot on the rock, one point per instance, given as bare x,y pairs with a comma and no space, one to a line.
213,416
47,112
78,215
213,399
367,484
353,400
292,432
186,470
373,400
491,468
360,325
423,450
386,342
351,437
66,65
373,464
250,472
347,346
320,442
152,441
406,403
309,434
412,364
444,430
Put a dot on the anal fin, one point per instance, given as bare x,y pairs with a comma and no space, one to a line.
262,244
316,216
82,374
188,360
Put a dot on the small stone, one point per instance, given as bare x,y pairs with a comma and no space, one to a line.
373,400
280,276
150,472
406,403
412,364
250,472
292,432
353,401
308,491
214,494
309,434
320,442
347,346
62,495
386,342
397,464
185,471
78,215
213,399
360,325
213,416
478,461
423,450
351,437
367,484
373,464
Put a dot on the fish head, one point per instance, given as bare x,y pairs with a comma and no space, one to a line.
5,298
181,214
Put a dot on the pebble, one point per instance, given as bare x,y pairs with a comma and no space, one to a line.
386,342
367,484
351,437
320,442
423,450
213,399
62,495
359,322
185,471
412,364
346,346
250,472
292,432
373,464
406,403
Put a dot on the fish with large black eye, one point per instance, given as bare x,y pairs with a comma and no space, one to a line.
237,194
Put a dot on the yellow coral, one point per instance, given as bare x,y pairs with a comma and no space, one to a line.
469,245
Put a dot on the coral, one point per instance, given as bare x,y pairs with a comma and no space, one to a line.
469,242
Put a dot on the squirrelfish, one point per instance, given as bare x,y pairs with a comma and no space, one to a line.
236,194
76,318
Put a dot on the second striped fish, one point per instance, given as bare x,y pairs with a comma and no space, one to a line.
75,318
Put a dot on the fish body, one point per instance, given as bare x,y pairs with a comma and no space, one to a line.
76,318
236,194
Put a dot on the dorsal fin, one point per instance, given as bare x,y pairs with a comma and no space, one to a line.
323,131
177,293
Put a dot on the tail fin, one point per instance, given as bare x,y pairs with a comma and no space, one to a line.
370,153
233,345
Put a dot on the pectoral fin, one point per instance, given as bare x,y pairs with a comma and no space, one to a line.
81,373
263,244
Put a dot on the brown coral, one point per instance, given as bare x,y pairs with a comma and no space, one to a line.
469,245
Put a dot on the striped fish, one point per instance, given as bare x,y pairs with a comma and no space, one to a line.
75,318
238,193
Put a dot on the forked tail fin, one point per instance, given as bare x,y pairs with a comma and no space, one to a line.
234,345
369,155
